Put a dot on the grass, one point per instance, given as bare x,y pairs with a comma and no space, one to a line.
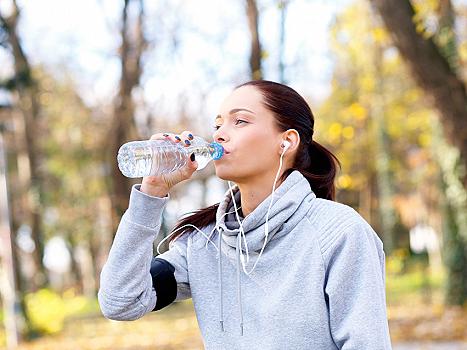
417,282
414,299
174,327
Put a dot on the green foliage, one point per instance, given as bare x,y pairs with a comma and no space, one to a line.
407,277
73,146
347,114
48,310
373,90
395,263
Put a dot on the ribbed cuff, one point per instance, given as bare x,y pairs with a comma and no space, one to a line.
144,209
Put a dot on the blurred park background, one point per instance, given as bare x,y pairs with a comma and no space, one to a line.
385,80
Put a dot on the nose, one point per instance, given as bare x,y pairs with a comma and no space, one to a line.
220,136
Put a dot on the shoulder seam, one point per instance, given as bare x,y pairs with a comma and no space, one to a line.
330,243
319,243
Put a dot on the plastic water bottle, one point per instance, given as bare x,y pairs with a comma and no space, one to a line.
156,157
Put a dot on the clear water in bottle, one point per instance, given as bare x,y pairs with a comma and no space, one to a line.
155,157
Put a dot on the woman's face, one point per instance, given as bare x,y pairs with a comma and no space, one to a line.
246,130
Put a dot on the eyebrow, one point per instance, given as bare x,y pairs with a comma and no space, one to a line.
235,110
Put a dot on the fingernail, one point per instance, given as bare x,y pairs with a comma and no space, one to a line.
190,136
187,142
178,138
192,157
166,135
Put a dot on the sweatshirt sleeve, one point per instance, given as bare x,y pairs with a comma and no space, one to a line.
177,257
355,288
126,291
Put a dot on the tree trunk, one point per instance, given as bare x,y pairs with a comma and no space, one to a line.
283,13
255,54
453,205
382,155
454,256
29,105
8,270
123,126
455,210
104,234
75,270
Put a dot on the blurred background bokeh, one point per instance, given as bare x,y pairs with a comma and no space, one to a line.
385,80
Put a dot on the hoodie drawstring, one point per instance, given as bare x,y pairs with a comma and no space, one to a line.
219,277
239,285
239,282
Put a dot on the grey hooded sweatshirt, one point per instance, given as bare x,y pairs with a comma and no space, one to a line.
319,284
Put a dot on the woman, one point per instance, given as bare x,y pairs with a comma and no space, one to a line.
297,270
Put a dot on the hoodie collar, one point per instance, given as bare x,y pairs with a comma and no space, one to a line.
287,198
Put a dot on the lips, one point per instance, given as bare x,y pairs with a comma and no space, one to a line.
226,151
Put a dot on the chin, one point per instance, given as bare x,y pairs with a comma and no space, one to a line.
225,174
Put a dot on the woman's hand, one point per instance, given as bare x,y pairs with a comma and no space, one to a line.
159,186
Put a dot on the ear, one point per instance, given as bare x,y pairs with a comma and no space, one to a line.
290,140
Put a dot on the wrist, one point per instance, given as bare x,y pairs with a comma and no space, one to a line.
154,191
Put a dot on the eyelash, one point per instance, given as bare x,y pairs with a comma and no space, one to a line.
216,127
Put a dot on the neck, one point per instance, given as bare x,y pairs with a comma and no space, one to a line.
256,190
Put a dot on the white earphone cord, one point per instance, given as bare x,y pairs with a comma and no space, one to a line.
266,228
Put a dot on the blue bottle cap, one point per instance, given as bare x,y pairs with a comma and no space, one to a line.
218,150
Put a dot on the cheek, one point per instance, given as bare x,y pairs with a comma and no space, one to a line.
256,138
258,151
254,149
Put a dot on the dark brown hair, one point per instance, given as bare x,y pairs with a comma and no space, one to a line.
315,162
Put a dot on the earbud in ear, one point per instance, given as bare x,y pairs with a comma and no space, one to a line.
285,145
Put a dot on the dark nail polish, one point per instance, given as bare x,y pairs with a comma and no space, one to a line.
178,138
166,135
192,157
190,136
187,142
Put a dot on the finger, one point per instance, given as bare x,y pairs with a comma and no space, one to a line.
190,167
176,138
187,137
159,136
182,138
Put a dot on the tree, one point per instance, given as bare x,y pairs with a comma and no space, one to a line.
454,205
283,4
77,203
12,305
433,61
24,85
381,128
255,53
133,44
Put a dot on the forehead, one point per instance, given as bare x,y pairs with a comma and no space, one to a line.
244,97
